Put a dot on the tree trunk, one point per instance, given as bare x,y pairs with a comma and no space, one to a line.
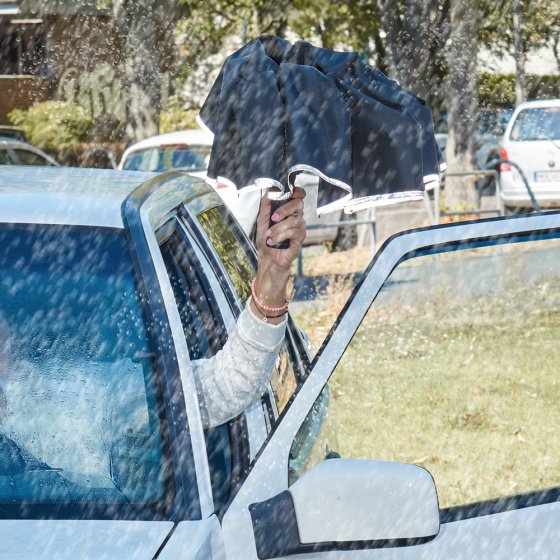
417,31
147,31
460,192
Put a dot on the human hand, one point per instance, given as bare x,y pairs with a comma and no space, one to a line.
288,225
274,264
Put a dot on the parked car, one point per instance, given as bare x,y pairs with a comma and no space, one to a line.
532,141
490,129
100,389
18,152
12,132
190,150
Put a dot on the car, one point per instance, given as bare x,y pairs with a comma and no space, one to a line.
101,385
12,132
532,141
490,129
19,152
190,150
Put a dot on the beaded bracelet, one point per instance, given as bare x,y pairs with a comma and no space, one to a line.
282,309
266,317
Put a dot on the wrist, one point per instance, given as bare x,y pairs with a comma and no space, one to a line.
269,290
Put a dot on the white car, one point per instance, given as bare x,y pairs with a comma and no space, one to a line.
189,150
109,292
532,141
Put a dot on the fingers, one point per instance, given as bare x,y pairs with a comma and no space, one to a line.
292,227
293,207
288,221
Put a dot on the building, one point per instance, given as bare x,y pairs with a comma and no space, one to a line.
57,49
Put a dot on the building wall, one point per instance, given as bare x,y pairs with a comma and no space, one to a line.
82,63
21,92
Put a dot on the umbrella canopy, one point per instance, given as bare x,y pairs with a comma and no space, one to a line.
278,109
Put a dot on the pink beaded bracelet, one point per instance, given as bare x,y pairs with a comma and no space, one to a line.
261,305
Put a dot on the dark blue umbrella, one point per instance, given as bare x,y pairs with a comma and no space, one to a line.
278,109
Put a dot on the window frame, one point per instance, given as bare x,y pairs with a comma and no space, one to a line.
237,427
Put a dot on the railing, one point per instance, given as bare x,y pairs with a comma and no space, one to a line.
480,173
436,213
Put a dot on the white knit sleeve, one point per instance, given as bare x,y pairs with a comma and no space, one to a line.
238,374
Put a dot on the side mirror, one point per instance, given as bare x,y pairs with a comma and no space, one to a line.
348,504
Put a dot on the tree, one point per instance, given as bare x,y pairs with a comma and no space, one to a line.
349,24
416,35
207,33
146,28
462,103
513,27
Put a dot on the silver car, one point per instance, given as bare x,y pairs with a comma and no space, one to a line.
532,141
114,283
18,152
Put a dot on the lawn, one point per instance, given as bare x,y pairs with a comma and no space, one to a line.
468,390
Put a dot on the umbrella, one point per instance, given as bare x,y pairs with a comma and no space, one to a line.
278,109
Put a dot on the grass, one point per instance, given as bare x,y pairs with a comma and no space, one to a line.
468,389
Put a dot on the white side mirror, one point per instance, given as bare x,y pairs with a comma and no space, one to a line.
349,504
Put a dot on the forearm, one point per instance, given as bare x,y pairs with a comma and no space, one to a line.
269,301
239,374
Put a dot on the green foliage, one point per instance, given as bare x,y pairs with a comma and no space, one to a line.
174,117
498,90
538,21
53,125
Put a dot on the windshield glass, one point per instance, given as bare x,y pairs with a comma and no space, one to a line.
79,423
164,158
541,123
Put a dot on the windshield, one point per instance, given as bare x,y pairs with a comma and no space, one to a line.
541,123
80,430
164,158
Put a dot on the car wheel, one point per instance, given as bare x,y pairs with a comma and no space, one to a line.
347,236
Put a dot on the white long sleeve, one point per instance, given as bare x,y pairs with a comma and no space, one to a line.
238,374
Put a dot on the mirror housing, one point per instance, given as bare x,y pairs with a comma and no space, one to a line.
348,504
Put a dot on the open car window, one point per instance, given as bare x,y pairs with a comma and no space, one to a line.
453,368
237,263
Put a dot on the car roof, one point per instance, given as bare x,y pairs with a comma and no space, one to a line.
15,141
10,142
191,136
66,195
539,103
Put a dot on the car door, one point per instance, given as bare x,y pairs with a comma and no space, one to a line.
444,360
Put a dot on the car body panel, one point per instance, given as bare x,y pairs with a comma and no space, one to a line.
269,474
538,156
196,540
87,540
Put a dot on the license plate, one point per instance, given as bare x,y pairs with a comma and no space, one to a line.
543,176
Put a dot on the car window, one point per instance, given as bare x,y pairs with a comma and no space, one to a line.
82,430
239,263
205,335
539,123
27,157
5,158
164,158
455,369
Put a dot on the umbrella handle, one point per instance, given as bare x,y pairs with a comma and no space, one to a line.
275,204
